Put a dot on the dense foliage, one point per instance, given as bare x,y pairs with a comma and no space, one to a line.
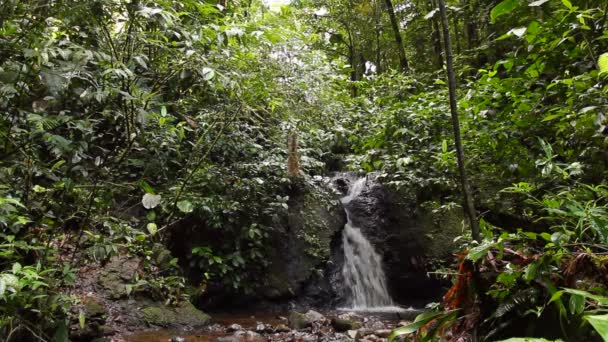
123,119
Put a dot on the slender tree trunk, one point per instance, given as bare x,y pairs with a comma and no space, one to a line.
395,24
470,23
468,198
436,36
353,73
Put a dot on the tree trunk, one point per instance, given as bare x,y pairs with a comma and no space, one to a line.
470,24
395,24
353,72
436,36
468,199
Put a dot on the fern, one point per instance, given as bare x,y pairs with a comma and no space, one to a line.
521,298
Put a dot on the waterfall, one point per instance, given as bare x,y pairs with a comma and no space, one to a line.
362,271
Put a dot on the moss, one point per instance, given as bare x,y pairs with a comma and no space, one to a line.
93,308
183,315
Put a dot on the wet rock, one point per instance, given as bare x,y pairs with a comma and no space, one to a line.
342,325
371,338
314,316
248,336
408,228
384,333
93,308
261,327
298,321
376,325
304,240
105,330
352,334
364,332
282,328
234,327
185,314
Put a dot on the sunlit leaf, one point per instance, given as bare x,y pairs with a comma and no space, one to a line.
185,206
602,63
152,228
505,7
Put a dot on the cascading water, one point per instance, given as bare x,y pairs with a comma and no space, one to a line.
362,271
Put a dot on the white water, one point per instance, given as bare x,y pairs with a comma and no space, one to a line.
362,271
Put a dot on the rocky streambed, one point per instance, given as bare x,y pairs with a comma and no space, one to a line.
310,326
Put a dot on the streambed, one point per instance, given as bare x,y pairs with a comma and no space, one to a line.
338,325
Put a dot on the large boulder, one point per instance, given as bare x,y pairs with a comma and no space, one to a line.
303,245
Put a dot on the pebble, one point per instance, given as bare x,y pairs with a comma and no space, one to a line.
234,327
352,334
282,328
383,332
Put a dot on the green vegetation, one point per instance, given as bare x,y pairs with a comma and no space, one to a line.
122,122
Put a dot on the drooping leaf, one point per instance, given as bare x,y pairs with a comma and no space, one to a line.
418,323
600,324
600,299
505,7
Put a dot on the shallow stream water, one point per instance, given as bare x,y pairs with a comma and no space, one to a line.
248,322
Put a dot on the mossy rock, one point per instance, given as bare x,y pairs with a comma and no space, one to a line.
298,320
117,274
183,315
342,325
93,307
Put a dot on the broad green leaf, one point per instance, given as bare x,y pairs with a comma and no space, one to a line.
480,251
150,201
2,287
16,268
602,63
568,4
576,304
600,299
600,324
444,146
418,323
505,7
152,228
185,206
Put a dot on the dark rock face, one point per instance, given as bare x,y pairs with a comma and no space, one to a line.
301,248
304,247
407,234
